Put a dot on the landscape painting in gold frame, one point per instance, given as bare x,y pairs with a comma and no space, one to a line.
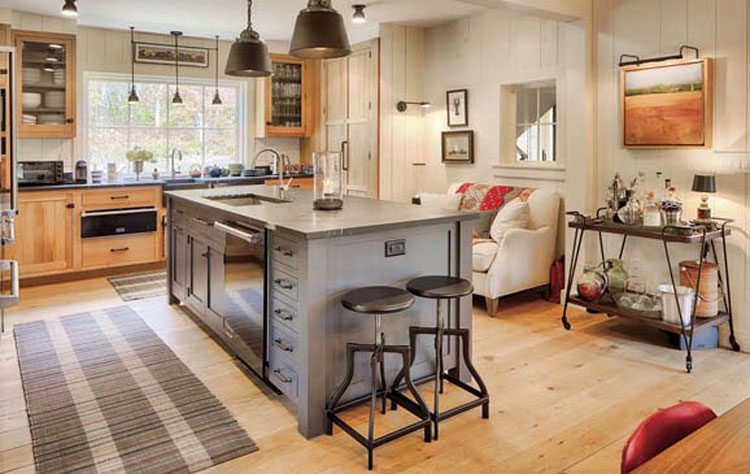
668,105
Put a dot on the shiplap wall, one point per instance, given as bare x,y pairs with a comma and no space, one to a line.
108,51
656,27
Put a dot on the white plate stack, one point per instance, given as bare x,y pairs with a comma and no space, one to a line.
51,119
31,75
54,100
58,77
28,119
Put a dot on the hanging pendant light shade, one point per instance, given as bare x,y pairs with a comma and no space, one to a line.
176,98
69,8
249,55
133,97
320,33
217,97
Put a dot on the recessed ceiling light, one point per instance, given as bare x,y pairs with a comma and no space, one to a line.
359,14
70,9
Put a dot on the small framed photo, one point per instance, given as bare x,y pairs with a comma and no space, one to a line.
458,147
164,54
457,105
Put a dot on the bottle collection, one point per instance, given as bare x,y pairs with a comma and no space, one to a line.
641,204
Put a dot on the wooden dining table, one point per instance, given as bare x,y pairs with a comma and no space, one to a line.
722,446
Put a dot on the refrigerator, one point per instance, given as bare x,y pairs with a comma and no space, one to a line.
9,286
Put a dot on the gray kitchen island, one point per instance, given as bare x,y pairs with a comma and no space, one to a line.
264,274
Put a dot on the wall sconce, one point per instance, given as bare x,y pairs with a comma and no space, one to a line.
401,106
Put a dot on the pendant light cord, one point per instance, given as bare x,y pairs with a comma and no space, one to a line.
176,64
250,14
216,73
132,57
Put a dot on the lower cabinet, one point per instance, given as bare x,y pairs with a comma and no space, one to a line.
179,245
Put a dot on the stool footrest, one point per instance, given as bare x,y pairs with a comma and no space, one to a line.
461,408
406,402
466,387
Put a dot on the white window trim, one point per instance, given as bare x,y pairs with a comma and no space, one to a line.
241,111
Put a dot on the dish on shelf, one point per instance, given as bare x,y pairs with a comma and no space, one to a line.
54,100
51,119
645,305
31,75
58,77
31,100
28,119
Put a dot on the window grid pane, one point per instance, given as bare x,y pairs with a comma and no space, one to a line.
536,123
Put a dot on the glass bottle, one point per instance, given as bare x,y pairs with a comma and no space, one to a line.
593,283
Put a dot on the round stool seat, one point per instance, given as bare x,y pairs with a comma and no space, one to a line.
378,300
440,287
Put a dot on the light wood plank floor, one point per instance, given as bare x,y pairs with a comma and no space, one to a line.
561,401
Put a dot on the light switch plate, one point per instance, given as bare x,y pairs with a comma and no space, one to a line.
395,248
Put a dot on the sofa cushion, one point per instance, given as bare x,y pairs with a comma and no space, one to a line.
514,215
441,201
483,254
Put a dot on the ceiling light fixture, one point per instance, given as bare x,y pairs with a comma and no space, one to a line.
359,14
319,33
401,106
249,55
70,9
217,97
176,98
133,97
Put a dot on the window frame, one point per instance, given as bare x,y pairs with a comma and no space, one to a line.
240,112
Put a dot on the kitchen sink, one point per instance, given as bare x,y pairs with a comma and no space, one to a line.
185,180
240,200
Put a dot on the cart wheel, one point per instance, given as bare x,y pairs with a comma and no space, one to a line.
733,342
566,324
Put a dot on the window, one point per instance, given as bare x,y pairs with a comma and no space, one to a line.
535,122
206,134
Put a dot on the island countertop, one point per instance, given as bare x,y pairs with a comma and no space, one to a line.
359,215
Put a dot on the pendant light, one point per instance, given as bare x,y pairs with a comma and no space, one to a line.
70,9
359,14
249,55
319,33
133,97
217,97
176,98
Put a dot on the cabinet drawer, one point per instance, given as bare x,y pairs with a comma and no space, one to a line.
283,377
286,253
285,284
120,198
282,343
118,251
285,314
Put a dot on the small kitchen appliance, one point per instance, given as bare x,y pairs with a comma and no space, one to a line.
82,172
39,173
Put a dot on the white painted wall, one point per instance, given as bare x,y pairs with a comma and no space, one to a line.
655,27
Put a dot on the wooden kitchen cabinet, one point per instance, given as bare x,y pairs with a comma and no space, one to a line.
45,230
285,102
46,86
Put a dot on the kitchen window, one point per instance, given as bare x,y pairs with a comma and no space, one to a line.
206,134
534,119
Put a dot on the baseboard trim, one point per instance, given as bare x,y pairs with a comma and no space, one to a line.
85,275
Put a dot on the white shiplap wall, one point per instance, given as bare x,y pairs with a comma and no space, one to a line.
656,27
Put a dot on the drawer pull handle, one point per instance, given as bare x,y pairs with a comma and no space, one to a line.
280,344
284,284
123,249
115,198
286,253
281,376
229,332
285,315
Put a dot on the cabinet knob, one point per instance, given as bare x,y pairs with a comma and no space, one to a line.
70,206
70,120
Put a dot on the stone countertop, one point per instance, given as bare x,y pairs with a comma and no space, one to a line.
162,182
359,215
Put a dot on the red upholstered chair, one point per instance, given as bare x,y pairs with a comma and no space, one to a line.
661,430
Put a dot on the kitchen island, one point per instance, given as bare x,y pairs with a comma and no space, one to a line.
264,273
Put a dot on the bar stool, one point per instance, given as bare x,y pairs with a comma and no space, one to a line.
442,288
378,301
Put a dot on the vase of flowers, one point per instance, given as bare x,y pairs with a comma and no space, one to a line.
138,156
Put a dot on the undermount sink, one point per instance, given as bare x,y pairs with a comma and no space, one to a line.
240,200
183,180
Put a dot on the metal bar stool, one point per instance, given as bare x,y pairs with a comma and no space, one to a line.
378,301
442,288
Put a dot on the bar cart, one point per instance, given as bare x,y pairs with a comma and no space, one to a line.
694,234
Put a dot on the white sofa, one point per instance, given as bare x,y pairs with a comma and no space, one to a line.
522,260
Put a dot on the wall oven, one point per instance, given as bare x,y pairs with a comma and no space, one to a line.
118,222
240,295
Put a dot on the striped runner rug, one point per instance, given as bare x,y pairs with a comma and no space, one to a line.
139,286
105,394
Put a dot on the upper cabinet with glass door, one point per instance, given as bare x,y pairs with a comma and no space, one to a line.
46,88
286,107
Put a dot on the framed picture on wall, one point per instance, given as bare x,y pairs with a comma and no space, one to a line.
458,147
162,54
667,105
457,105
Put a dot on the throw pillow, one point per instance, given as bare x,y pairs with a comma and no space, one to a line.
514,215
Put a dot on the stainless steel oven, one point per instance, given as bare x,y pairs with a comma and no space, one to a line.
240,296
118,222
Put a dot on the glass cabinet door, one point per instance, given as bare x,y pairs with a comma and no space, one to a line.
47,85
286,105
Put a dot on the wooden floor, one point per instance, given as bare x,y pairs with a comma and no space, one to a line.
561,401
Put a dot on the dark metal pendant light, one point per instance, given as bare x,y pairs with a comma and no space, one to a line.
70,9
217,97
133,97
176,98
320,33
249,55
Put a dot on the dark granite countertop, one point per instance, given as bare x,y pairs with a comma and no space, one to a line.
359,215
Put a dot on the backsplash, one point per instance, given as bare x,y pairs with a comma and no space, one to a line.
47,149
286,146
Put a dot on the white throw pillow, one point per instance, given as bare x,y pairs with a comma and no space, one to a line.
441,201
514,215
483,254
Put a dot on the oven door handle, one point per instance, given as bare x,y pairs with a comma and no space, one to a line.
117,213
251,236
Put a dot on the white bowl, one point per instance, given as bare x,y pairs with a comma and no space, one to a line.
31,100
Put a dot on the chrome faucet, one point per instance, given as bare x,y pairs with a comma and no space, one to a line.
279,160
178,152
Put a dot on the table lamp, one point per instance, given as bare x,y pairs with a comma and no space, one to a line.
704,184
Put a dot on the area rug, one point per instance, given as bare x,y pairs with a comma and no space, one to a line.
139,286
105,393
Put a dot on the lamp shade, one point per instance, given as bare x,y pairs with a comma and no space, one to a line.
319,33
704,183
248,56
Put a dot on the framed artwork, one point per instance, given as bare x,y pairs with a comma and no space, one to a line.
668,105
164,54
458,147
457,105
